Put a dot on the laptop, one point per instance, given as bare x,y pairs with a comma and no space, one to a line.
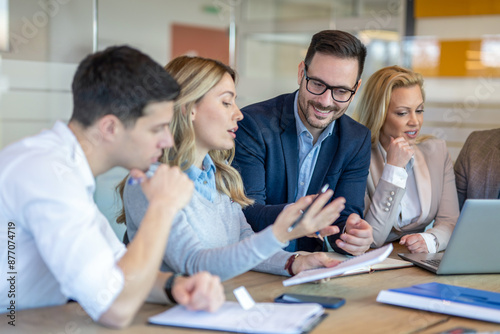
474,246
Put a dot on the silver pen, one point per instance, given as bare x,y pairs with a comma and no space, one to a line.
322,191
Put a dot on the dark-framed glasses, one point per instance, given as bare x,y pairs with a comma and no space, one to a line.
318,87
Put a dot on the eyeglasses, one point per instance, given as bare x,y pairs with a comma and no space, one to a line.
318,87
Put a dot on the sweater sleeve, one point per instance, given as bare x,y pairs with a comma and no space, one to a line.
274,264
186,254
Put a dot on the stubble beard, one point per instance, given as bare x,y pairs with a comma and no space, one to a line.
311,118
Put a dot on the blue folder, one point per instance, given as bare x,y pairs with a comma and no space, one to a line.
447,299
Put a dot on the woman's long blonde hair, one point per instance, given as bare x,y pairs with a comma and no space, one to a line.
376,96
197,76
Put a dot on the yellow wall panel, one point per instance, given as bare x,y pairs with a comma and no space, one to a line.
466,58
453,58
433,8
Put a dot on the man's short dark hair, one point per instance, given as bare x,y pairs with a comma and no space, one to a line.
119,81
339,44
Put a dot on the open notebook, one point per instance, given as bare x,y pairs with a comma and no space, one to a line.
354,263
231,317
387,264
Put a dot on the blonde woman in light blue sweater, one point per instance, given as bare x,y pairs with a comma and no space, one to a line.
211,233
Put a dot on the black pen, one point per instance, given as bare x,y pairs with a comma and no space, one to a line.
296,222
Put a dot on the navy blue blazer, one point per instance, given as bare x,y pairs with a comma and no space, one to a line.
267,157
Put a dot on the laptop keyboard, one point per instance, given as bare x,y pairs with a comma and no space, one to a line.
434,263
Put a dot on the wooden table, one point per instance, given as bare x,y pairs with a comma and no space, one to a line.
360,314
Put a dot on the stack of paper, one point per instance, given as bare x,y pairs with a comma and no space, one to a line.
231,317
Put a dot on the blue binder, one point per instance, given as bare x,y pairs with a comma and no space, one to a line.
447,299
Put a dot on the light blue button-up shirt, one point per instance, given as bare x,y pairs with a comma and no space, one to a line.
204,179
308,156
308,152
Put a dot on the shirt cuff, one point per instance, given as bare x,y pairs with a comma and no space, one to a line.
96,298
430,241
395,175
329,247
269,241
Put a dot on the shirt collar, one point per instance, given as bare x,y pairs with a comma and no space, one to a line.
76,155
208,166
301,128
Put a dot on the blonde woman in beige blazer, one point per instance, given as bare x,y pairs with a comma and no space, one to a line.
411,182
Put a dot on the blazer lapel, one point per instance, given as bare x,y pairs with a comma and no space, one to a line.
492,174
289,145
377,165
423,181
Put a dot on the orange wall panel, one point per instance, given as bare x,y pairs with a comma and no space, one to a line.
434,8
465,58
200,41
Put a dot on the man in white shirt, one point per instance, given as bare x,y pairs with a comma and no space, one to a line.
57,245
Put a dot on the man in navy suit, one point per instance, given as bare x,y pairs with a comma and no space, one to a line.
293,144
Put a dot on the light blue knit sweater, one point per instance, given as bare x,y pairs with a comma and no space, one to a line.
211,236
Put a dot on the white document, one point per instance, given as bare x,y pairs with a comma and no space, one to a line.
367,259
231,317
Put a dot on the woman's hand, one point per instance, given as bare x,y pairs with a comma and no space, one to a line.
313,260
414,242
318,216
399,152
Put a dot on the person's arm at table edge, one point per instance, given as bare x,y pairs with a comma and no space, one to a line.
140,265
201,291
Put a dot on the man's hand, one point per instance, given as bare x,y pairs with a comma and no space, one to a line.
168,186
358,235
202,291
414,242
313,260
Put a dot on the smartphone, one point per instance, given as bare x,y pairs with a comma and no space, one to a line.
327,302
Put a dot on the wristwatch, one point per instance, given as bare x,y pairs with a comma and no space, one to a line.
168,287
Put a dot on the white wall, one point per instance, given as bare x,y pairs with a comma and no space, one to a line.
50,37
48,41
146,24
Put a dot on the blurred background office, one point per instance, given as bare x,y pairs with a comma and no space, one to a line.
454,44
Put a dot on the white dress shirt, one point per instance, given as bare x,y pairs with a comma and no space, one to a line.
64,246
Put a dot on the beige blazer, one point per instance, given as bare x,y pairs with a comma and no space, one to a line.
437,193
477,169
